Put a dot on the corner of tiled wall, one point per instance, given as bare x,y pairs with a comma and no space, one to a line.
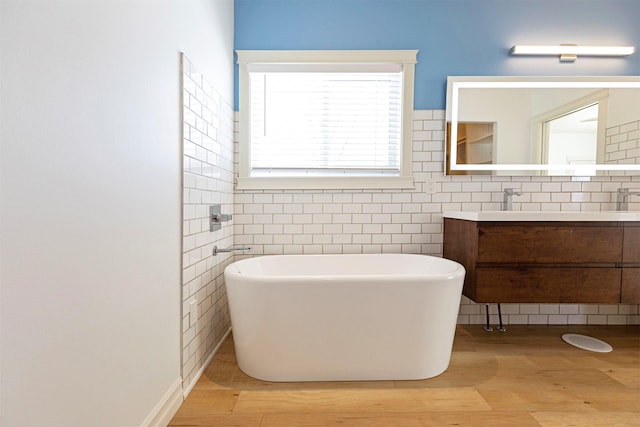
410,221
207,179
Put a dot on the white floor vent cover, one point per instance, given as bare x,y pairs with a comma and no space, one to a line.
587,343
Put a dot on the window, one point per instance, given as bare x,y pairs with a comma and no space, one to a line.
325,119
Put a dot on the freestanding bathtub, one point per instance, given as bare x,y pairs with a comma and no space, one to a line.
343,317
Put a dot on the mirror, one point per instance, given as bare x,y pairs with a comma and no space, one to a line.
557,126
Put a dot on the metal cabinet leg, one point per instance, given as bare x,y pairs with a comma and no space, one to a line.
487,327
501,328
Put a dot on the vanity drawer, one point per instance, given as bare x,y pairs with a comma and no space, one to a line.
547,285
549,244
630,293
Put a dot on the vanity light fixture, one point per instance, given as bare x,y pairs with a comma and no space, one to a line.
569,52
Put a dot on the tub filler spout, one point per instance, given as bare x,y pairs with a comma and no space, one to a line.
217,250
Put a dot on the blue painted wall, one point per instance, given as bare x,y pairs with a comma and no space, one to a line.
454,37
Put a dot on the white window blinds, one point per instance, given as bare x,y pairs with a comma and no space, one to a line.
328,122
325,119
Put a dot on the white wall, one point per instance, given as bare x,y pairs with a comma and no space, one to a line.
90,202
624,107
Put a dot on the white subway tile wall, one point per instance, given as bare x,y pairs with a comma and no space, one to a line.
622,145
207,179
410,221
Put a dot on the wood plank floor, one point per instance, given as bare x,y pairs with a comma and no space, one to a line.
525,377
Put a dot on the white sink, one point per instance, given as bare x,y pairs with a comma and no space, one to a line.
543,216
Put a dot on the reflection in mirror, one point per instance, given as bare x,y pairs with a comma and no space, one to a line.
474,145
543,126
571,139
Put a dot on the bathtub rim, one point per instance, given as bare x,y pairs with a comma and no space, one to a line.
457,270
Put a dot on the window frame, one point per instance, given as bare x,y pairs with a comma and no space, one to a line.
405,58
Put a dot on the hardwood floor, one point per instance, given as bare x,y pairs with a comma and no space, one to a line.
525,377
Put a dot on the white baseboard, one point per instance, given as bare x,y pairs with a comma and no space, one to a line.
167,407
198,374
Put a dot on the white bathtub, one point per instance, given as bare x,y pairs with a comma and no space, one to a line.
343,317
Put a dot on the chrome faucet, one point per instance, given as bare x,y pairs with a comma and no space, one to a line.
216,251
622,201
507,196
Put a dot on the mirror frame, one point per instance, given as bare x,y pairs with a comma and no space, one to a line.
455,83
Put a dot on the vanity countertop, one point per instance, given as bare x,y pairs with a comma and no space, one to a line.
543,216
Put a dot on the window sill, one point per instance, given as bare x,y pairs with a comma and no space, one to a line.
326,183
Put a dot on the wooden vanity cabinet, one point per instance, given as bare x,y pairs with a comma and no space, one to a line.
546,262
630,293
